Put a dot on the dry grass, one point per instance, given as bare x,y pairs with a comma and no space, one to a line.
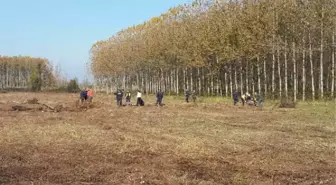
205,143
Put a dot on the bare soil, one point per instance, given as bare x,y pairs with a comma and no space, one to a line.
212,142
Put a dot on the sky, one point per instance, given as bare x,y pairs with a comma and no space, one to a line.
63,31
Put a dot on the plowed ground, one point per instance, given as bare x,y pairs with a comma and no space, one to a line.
204,143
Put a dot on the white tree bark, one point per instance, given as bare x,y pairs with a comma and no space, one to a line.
303,71
273,69
279,72
258,71
226,84
235,76
247,76
241,78
294,71
177,81
265,77
311,66
253,82
286,71
321,57
333,66
231,88
199,81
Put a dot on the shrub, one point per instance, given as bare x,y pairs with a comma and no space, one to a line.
35,80
73,86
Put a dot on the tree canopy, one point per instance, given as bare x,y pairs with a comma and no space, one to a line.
199,45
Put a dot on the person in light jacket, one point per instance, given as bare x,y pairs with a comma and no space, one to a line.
139,100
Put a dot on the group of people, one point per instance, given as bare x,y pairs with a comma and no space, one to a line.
139,102
120,94
159,97
246,98
188,94
86,95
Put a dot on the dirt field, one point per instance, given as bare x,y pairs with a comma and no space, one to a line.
204,143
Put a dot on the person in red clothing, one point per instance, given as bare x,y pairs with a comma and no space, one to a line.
90,94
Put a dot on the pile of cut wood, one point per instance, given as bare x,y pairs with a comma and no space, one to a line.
34,105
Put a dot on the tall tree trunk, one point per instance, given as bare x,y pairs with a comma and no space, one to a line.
208,81
177,81
226,84
258,71
150,79
217,85
252,76
204,84
199,81
7,76
221,85
137,79
321,56
265,76
124,80
106,87
231,88
217,76
235,76
184,79
187,78
172,84
294,71
303,71
191,80
333,66
212,83
286,71
241,77
273,70
279,71
247,76
19,82
311,66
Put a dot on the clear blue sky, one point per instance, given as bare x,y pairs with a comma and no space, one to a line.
64,30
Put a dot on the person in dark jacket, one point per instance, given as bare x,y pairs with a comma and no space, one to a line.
128,98
235,98
119,96
159,97
187,94
83,96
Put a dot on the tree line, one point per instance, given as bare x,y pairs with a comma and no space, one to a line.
24,72
279,48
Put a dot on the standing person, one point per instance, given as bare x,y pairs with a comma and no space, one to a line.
139,100
90,94
128,98
258,100
235,98
243,99
187,94
119,97
159,97
83,96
